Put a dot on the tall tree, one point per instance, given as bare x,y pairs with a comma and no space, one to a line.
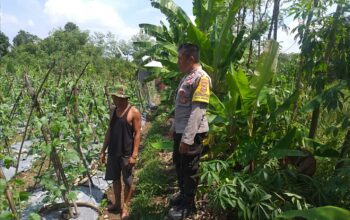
262,15
251,42
138,51
112,49
24,37
323,57
4,44
219,46
274,20
70,27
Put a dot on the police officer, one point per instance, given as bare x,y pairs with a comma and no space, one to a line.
190,128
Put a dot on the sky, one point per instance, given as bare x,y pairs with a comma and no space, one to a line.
121,17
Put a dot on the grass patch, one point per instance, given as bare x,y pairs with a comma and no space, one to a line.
150,198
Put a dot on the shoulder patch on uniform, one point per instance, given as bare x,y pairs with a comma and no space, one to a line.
202,92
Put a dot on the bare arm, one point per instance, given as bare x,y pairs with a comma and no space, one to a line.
108,133
107,140
136,122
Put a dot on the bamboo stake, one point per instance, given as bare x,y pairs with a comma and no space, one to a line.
77,133
77,80
75,84
15,105
95,104
107,98
24,137
11,86
8,194
65,113
35,105
53,155
59,170
41,166
7,145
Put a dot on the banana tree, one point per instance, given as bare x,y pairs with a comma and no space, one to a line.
242,98
212,32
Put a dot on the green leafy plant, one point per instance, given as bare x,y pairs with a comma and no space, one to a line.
321,213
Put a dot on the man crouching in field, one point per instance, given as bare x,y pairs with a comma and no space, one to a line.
122,140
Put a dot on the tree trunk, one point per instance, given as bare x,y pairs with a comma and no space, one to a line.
302,60
251,42
259,11
277,6
270,29
274,20
261,16
238,20
314,122
327,55
243,16
298,86
332,40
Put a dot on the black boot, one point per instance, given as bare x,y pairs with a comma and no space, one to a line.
185,209
176,199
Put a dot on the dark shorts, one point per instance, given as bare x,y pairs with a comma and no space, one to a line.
117,165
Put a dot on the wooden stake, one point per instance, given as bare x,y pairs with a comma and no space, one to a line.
8,194
77,133
15,105
107,98
53,155
35,105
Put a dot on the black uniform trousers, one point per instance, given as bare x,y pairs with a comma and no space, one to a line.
187,165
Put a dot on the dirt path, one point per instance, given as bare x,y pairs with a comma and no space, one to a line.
110,215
